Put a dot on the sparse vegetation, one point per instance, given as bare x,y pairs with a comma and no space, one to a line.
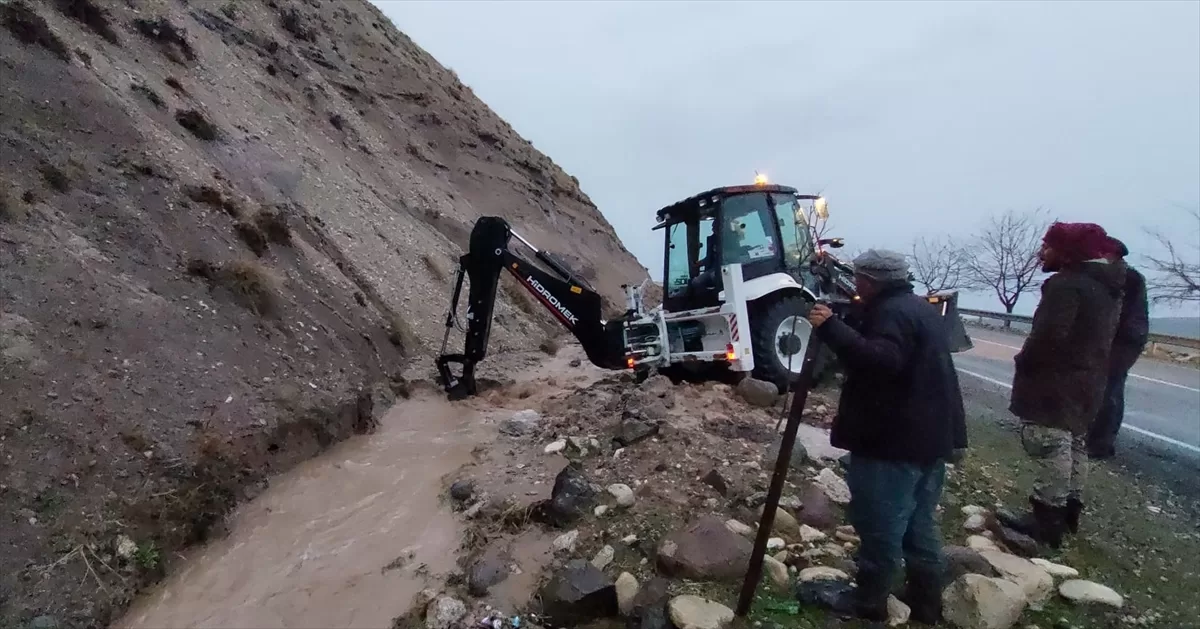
338,121
254,238
230,10
55,177
197,124
174,84
250,282
90,15
293,21
273,224
435,268
402,336
31,29
10,209
149,94
549,346
173,41
147,556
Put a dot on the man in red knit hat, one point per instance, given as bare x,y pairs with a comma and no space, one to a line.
1061,373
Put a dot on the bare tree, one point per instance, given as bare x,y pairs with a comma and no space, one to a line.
939,264
1175,276
1004,256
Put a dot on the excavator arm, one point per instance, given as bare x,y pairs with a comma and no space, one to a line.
568,298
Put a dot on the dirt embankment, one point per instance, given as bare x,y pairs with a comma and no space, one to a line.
223,228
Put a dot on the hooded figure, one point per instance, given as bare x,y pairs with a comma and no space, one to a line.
1061,372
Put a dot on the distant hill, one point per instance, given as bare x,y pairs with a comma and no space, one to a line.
1176,326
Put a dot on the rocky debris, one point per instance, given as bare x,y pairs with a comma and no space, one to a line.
1055,569
1037,584
571,497
975,523
565,543
631,431
758,393
961,560
604,557
462,490
554,447
43,622
776,543
818,510
785,524
1085,592
823,573
650,604
521,424
777,571
487,570
579,593
898,612
809,534
744,530
705,550
981,543
971,510
627,591
846,533
444,613
714,479
600,510
623,494
125,547
1014,540
977,602
798,460
694,612
833,486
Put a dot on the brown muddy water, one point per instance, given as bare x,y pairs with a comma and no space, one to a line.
311,551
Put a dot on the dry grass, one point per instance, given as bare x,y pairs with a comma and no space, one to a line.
90,15
31,29
273,224
197,124
10,207
254,238
549,345
402,336
212,197
150,95
55,177
435,267
254,286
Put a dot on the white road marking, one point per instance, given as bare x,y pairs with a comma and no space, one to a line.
1140,431
1131,374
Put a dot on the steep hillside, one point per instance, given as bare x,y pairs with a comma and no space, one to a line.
224,228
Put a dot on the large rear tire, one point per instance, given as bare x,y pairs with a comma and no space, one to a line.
779,333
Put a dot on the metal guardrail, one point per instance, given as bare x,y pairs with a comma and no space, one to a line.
1155,339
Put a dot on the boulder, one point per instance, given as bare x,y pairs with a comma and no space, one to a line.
627,591
834,486
898,612
631,431
809,534
714,479
744,530
577,594
961,560
823,573
1080,591
554,447
975,523
758,393
658,385
705,550
444,613
971,510
521,424
487,570
462,490
818,510
694,612
1055,569
565,543
571,498
776,543
777,571
604,557
981,543
623,494
1037,584
974,601
1014,540
785,524
798,459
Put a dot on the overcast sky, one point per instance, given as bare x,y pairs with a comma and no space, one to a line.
913,118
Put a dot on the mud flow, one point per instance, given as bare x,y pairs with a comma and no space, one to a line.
344,540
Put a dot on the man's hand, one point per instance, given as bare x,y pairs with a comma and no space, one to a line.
819,314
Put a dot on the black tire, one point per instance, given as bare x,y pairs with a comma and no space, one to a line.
763,324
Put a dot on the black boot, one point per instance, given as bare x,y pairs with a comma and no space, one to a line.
923,595
1045,523
1074,510
868,601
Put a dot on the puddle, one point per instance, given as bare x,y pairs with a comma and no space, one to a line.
310,551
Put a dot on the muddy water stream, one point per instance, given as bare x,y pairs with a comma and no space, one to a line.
311,550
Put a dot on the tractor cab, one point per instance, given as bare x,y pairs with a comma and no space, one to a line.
762,227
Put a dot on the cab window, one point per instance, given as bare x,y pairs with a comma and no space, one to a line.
747,234
793,229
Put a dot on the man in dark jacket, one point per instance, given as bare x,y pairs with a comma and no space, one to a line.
1061,372
1133,331
900,416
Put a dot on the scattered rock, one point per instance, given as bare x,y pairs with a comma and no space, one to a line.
758,393
977,602
444,613
554,447
632,431
823,593
1036,582
798,460
579,593
898,612
600,511
705,549
819,511
694,612
975,523
462,490
1055,569
981,543
776,543
650,604
741,529
604,557
125,547
1014,540
1080,591
627,591
570,499
521,424
623,494
809,534
565,542
714,479
846,533
490,568
971,510
777,571
823,573
961,560
834,486
43,622
785,524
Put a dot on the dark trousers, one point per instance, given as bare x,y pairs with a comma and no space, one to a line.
1102,436
892,508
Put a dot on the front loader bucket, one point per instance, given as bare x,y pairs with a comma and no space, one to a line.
947,303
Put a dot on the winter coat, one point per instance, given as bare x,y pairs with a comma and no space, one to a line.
900,400
1133,326
1062,368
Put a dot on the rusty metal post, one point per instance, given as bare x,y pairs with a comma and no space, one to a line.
782,464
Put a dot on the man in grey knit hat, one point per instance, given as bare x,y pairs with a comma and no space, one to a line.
901,417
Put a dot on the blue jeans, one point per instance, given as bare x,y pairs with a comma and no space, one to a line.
892,508
1102,437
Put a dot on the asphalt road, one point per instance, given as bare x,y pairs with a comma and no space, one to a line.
1162,401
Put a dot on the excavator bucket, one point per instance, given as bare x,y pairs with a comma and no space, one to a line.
947,303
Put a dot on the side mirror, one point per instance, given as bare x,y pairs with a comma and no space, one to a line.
833,243
821,207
